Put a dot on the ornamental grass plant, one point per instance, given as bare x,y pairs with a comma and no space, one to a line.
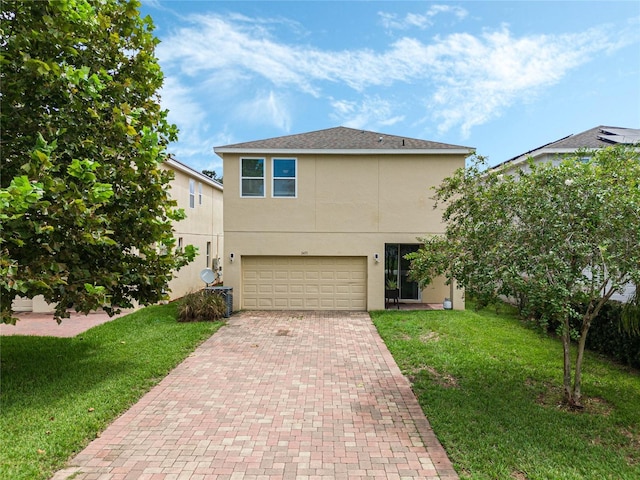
202,305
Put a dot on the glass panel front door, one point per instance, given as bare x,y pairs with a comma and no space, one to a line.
408,288
396,267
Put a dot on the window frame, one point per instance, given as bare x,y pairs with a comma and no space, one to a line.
199,193
274,178
263,178
192,193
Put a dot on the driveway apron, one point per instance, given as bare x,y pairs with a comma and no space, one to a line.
274,395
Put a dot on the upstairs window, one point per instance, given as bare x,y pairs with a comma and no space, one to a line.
284,177
252,177
192,193
199,193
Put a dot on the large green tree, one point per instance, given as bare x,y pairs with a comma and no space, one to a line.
560,239
86,219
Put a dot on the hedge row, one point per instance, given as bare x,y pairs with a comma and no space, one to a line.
607,337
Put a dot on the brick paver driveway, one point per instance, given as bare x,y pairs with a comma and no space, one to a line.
274,395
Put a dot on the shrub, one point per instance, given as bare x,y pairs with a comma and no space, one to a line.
201,306
606,335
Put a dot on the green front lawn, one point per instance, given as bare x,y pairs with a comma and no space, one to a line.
491,389
59,393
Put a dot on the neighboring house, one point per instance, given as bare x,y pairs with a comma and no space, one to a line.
593,139
319,220
201,199
554,152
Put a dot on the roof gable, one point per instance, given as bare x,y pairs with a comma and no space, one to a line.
343,139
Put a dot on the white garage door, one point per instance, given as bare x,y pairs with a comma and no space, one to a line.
304,283
21,304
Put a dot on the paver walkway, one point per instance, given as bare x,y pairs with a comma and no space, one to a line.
43,324
286,395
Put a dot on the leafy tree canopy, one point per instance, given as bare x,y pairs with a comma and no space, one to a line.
212,174
560,239
84,209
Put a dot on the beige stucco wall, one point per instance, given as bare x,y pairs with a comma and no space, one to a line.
204,223
347,205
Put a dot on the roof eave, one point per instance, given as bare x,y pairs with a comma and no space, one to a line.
540,153
193,173
337,151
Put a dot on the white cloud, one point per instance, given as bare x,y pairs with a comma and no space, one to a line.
392,21
188,115
464,79
183,109
266,109
368,113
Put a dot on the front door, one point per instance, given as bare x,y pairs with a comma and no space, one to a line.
396,268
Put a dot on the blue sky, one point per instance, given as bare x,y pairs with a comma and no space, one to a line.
503,77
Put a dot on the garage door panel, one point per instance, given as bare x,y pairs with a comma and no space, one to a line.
281,275
327,289
251,303
327,275
281,303
295,304
311,290
264,276
280,289
304,283
296,275
22,304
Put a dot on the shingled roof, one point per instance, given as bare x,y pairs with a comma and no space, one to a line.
342,140
597,137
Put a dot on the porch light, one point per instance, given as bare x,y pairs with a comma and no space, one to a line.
376,257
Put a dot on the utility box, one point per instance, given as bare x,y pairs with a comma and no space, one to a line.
227,294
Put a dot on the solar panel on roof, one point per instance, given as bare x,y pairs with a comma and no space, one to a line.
620,135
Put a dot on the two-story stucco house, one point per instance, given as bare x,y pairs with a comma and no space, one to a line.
589,140
201,199
319,220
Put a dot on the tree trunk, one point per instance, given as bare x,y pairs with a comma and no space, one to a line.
566,347
577,381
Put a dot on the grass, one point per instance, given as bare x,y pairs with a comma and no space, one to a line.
492,390
59,393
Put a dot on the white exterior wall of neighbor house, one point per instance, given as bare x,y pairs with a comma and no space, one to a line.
347,206
203,225
201,199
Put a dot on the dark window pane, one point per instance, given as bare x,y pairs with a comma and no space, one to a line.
253,167
252,188
284,188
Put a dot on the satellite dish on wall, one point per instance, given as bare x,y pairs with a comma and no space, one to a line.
207,275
